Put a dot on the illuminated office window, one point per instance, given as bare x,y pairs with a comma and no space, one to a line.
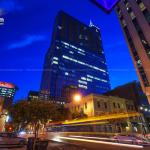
83,78
144,10
82,86
132,15
83,82
55,62
83,63
66,73
55,58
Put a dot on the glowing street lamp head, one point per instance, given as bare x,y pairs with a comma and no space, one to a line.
77,97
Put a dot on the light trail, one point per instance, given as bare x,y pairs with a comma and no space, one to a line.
85,124
101,142
101,118
56,139
99,138
88,137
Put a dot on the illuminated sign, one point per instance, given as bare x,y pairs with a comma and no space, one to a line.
6,85
106,4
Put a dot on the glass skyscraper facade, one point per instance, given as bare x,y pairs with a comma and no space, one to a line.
75,57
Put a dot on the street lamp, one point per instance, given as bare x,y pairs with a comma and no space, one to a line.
77,97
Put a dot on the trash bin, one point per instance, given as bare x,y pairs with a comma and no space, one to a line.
41,145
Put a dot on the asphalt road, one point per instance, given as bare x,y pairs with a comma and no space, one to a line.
64,142
65,146
71,143
87,146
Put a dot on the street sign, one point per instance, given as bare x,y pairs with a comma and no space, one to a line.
107,5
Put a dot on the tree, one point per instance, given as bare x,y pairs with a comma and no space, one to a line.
32,112
61,113
19,112
79,115
36,112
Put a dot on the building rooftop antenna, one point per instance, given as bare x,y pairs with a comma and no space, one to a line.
92,25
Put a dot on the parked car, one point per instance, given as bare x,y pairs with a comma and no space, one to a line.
132,139
11,138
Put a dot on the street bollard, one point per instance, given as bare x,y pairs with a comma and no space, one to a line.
30,143
39,145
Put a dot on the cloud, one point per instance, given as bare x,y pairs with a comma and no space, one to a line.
9,6
28,40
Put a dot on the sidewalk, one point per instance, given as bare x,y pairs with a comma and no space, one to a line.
23,148
12,146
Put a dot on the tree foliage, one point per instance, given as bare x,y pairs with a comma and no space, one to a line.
60,114
78,115
35,113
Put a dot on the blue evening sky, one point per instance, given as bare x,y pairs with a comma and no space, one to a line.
25,37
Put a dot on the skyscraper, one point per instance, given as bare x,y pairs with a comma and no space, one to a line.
134,17
75,58
7,92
